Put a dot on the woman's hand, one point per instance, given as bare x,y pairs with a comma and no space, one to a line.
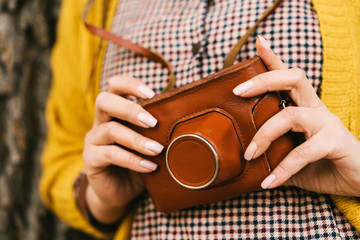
111,186
329,160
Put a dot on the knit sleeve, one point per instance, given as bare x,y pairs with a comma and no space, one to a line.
340,90
69,114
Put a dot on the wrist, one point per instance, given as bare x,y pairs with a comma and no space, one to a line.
80,193
102,212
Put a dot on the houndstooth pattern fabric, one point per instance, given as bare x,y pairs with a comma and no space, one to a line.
283,213
195,36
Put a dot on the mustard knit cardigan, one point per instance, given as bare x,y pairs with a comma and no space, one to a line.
70,108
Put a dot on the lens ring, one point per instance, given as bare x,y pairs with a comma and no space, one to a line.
212,150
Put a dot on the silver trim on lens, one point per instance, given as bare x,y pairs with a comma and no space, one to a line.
213,151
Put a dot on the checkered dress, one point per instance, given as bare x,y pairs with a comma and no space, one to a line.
195,36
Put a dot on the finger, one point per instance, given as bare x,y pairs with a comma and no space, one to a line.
104,156
128,85
310,151
293,81
113,132
271,61
296,119
109,105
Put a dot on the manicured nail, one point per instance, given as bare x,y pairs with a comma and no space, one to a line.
148,165
265,43
250,151
243,88
154,147
268,181
146,91
147,119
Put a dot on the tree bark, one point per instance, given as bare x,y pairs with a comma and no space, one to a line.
27,33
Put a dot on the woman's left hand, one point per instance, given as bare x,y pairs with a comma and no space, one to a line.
329,160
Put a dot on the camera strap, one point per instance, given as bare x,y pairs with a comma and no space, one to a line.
156,57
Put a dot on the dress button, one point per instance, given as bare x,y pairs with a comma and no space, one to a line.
195,48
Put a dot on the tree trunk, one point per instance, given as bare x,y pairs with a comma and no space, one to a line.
27,33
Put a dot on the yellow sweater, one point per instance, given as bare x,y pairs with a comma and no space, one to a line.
70,109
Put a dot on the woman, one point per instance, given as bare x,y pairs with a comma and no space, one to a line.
195,37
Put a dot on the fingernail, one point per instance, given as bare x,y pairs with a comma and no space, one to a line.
265,43
250,151
268,181
242,88
147,119
148,165
154,146
146,91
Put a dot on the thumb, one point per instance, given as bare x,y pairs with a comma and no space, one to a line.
267,55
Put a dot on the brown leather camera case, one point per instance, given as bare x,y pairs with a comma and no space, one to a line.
205,129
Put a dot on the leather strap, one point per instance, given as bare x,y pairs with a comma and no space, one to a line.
156,57
230,58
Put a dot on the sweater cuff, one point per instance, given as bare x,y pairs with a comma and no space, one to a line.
80,186
350,207
61,195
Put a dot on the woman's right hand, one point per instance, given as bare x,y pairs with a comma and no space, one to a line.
111,185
